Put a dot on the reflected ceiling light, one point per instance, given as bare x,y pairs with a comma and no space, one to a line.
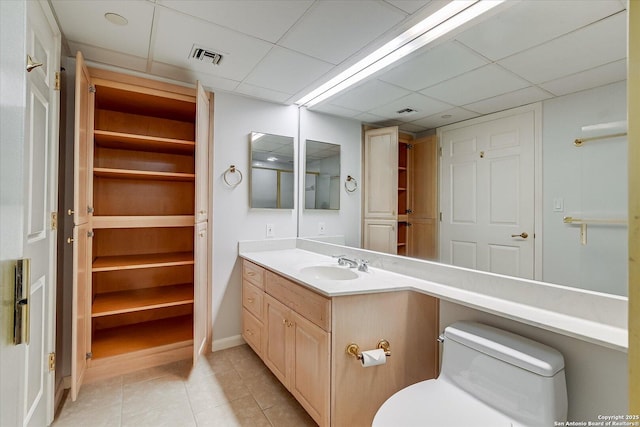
272,159
114,18
446,19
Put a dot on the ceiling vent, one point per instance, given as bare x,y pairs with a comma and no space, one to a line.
205,55
407,110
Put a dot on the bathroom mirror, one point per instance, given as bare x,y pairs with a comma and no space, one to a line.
588,182
272,171
322,175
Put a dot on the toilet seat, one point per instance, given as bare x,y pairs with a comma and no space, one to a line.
437,403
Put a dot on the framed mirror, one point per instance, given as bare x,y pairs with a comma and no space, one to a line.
272,171
322,175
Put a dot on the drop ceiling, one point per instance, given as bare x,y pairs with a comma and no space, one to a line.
278,50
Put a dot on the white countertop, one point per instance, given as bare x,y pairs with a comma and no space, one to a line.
588,323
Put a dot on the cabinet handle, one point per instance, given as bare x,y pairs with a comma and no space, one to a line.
202,212
70,212
251,300
248,331
287,323
202,234
69,239
250,273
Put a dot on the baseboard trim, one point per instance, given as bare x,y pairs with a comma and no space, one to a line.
224,343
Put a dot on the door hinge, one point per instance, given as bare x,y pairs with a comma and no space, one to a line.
56,84
440,151
89,209
92,89
409,146
89,355
52,362
54,220
440,216
408,211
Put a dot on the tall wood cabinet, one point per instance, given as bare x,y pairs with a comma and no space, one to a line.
141,288
400,193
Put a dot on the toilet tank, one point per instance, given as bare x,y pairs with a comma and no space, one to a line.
519,377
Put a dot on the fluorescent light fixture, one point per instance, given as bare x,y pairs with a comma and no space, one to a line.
446,19
272,159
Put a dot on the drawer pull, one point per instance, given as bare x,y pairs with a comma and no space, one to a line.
251,300
250,273
249,332
287,323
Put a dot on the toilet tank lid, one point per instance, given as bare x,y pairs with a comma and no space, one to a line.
508,347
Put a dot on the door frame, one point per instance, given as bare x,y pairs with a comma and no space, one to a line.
536,108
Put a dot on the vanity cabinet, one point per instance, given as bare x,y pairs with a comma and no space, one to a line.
141,280
304,335
400,193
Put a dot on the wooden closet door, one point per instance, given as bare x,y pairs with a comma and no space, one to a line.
200,291
83,143
423,186
203,127
381,173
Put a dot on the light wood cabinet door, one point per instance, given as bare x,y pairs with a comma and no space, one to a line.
81,309
423,191
200,291
203,123
83,143
277,350
381,173
311,376
380,235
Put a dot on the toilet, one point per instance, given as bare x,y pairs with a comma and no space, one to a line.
489,377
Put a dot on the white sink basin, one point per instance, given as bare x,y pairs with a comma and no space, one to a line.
328,272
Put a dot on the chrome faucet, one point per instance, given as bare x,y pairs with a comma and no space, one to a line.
353,263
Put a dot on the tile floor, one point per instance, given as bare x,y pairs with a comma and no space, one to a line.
227,388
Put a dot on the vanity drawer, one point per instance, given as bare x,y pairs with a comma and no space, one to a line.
252,331
306,303
252,299
253,273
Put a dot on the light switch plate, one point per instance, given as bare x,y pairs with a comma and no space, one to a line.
271,231
558,204
321,228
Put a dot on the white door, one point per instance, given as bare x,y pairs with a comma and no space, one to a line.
487,195
40,191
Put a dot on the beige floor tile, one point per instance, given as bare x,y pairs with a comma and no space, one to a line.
249,366
212,391
160,392
287,415
238,352
180,369
94,416
174,414
267,390
100,393
243,412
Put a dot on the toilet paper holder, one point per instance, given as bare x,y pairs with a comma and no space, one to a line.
354,350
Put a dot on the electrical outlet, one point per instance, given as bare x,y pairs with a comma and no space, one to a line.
321,228
271,230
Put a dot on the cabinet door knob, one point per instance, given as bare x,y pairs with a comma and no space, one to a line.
70,212
69,239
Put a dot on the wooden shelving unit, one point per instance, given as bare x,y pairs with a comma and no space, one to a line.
127,262
129,141
140,174
141,299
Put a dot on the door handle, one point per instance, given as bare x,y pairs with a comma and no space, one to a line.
524,235
22,282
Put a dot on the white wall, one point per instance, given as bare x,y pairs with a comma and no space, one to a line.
235,117
592,182
596,376
347,134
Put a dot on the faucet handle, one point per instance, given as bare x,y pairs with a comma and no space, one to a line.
363,265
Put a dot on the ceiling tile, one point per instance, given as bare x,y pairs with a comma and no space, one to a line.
334,110
530,23
262,93
334,30
445,118
423,105
368,118
265,19
409,6
369,95
287,71
433,66
189,76
110,57
485,82
598,44
84,22
599,76
241,53
509,100
412,127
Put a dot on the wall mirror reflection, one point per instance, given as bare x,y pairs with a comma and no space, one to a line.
322,175
272,171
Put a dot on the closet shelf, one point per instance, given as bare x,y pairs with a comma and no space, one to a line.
143,221
140,174
141,299
129,141
131,262
141,336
